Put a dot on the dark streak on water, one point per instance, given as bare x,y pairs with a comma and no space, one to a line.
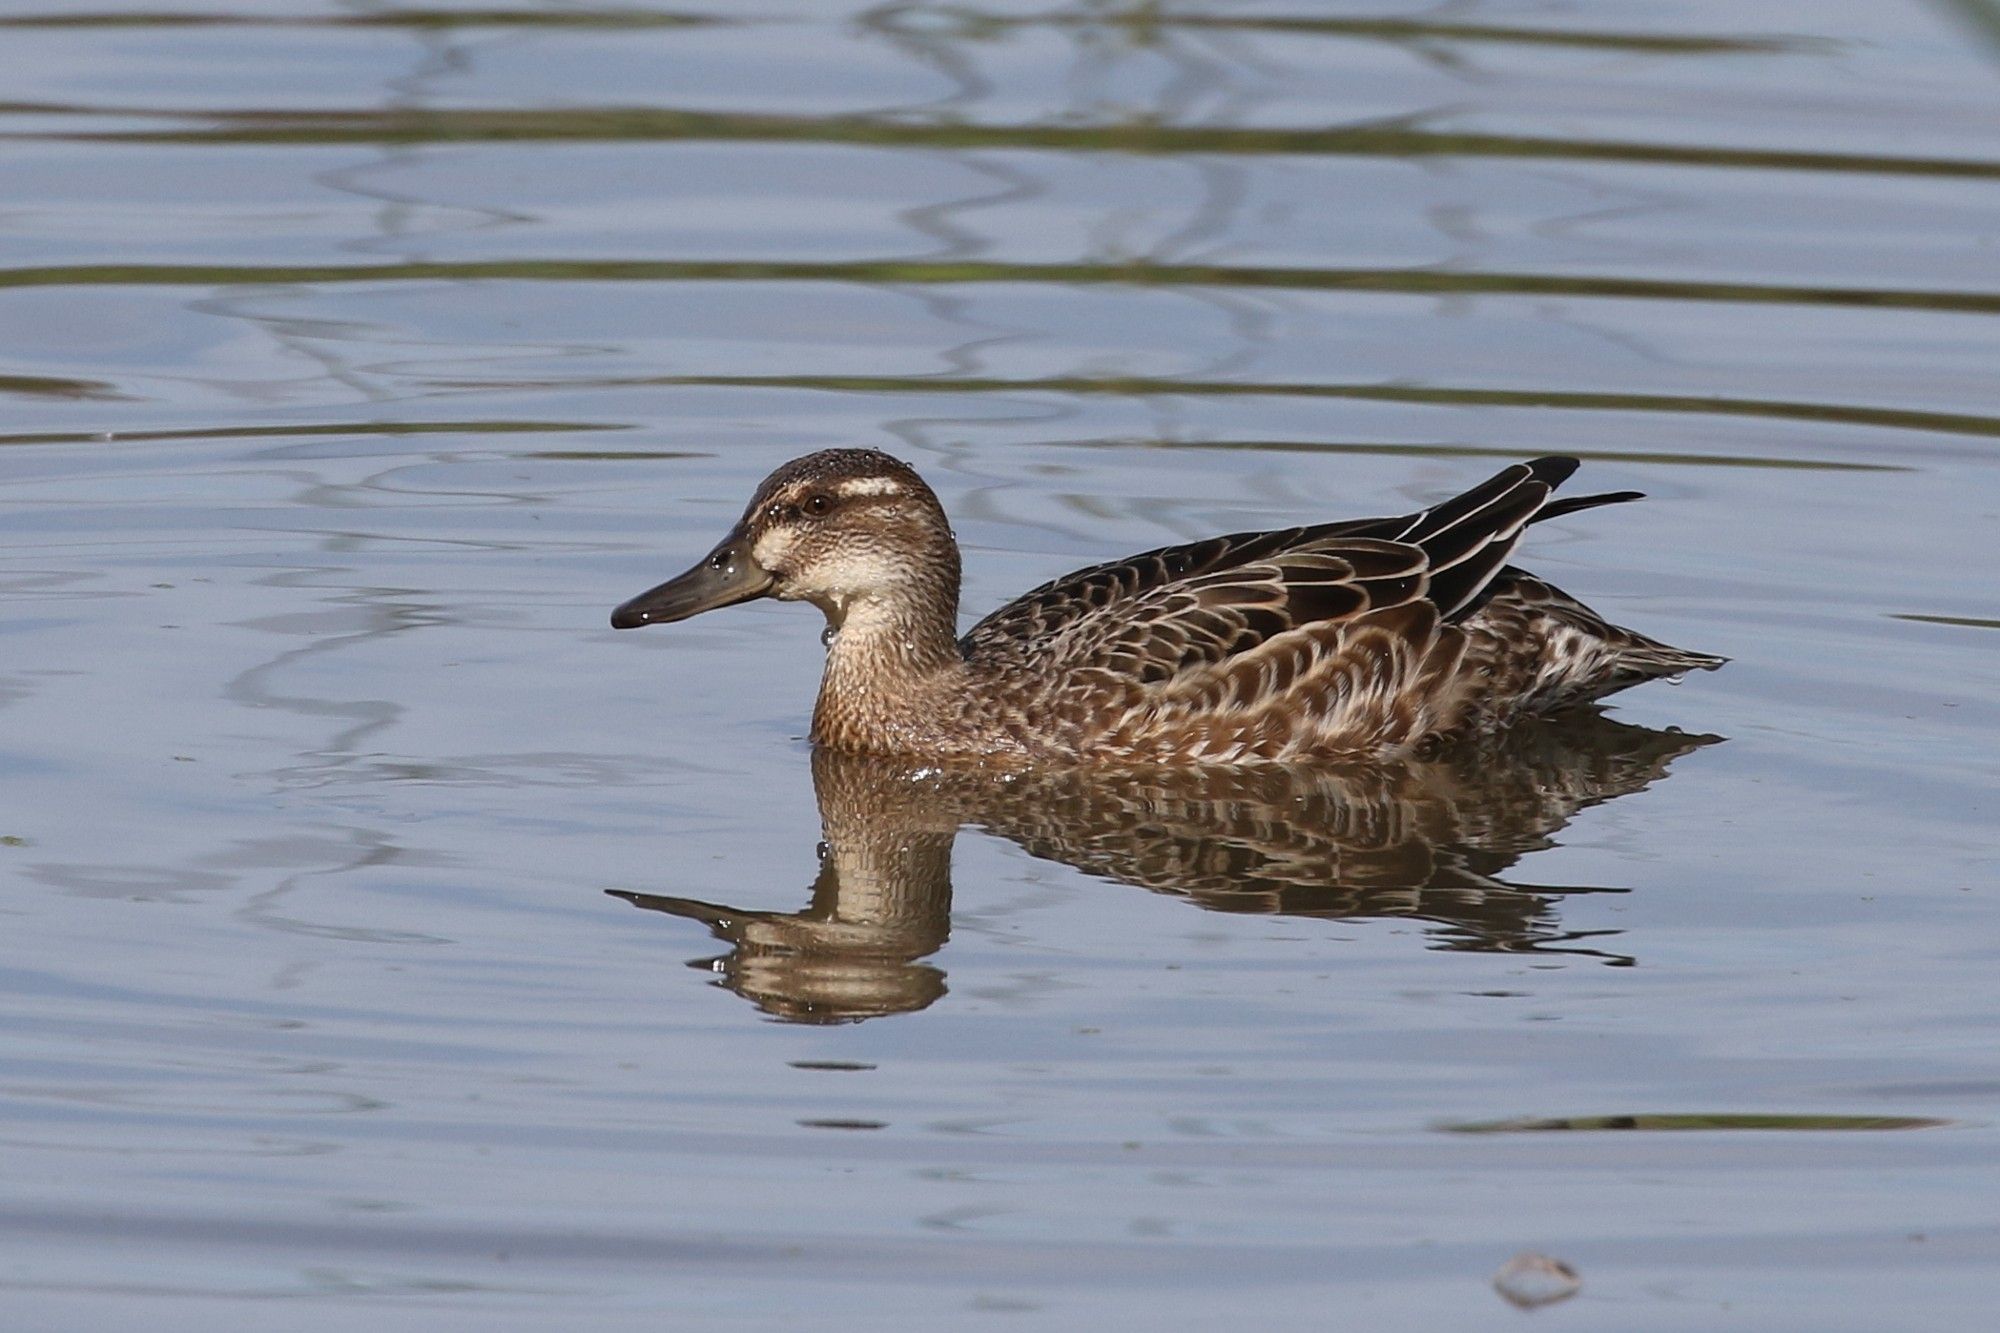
354,361
1685,1122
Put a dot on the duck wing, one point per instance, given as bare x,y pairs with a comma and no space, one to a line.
1167,614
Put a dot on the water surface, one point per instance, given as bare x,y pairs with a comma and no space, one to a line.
355,359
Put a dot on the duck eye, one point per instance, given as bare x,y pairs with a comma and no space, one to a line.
818,505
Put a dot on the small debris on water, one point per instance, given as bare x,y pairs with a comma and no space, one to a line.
1529,1281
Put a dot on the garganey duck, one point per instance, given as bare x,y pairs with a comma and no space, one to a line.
1374,637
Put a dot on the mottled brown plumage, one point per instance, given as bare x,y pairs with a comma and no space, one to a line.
1374,637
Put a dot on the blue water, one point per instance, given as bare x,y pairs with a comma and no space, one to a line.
355,360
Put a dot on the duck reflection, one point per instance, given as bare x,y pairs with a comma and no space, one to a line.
1424,840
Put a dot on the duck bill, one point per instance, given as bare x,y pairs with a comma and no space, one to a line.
727,576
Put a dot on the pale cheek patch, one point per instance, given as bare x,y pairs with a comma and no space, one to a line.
860,486
862,570
771,547
853,571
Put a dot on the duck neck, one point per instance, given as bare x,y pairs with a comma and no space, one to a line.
889,665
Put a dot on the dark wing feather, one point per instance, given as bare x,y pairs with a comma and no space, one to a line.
1153,617
1551,472
1577,503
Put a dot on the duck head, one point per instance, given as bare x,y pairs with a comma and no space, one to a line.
849,530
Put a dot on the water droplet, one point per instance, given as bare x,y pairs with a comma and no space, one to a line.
828,635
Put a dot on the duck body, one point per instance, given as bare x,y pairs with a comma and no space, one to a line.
1367,638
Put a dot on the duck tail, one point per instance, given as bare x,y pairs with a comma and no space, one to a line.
1557,652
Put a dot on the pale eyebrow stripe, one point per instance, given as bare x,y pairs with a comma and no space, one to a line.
871,486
